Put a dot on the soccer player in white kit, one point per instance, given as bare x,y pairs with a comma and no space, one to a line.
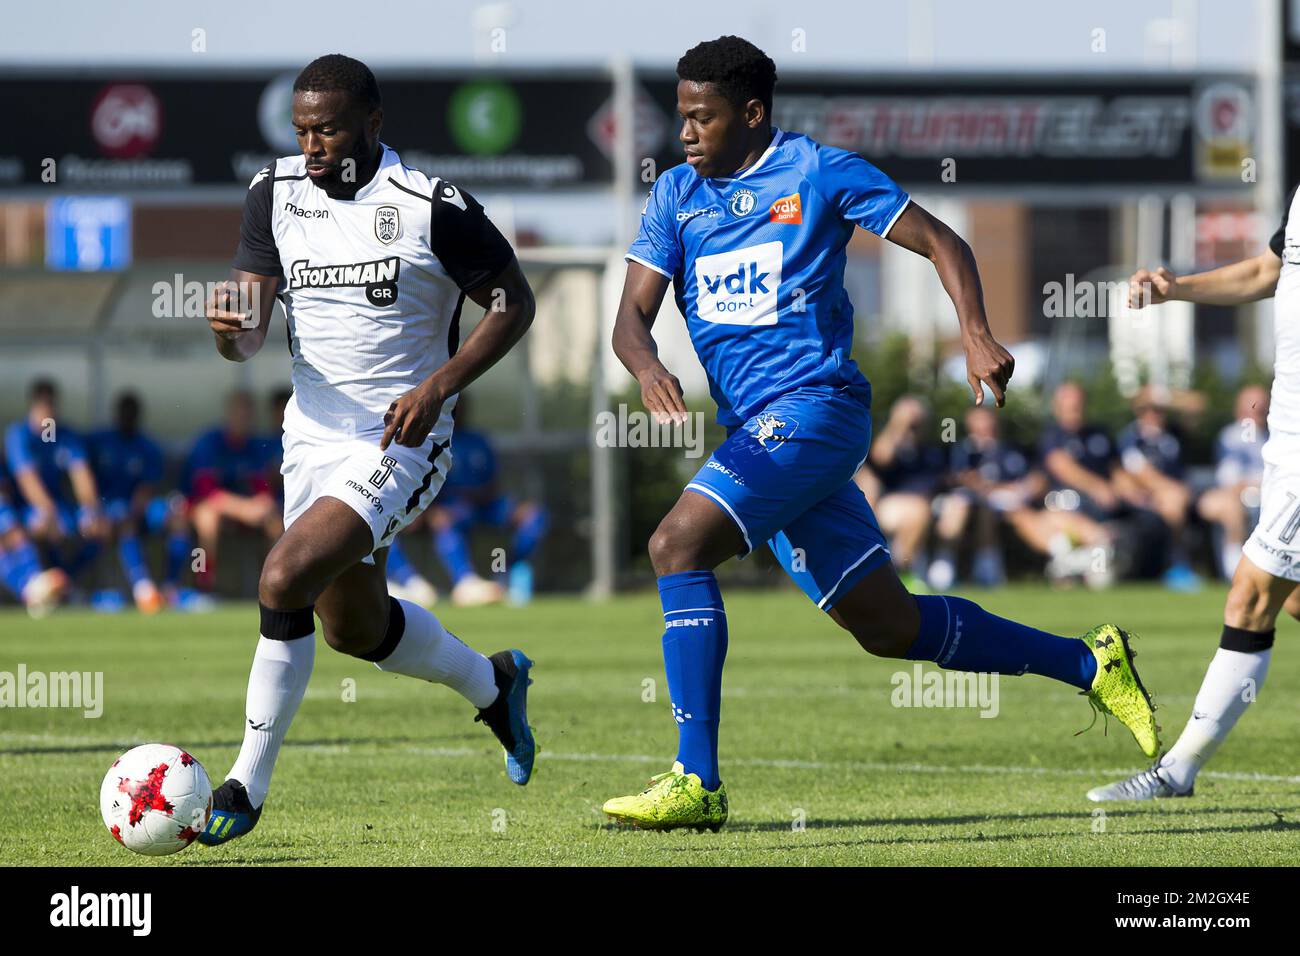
372,262
1266,577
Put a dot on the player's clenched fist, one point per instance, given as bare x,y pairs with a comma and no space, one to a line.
1151,288
410,419
990,363
229,309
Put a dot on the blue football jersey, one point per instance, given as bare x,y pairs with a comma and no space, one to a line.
473,463
217,463
757,265
51,460
123,462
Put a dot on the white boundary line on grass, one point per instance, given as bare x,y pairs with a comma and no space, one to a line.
774,763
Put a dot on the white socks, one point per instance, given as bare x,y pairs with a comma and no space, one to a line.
428,651
1231,683
276,685
281,669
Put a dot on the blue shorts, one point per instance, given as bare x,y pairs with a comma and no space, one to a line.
154,520
786,477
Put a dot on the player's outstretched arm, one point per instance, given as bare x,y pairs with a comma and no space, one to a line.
508,310
643,293
986,360
239,313
1246,281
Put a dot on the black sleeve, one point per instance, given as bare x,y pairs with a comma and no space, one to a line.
1278,242
466,243
257,252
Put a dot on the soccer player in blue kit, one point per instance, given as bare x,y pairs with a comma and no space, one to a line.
751,233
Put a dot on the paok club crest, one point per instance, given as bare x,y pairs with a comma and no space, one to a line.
388,224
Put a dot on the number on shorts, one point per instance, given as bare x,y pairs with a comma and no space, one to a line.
1288,532
381,474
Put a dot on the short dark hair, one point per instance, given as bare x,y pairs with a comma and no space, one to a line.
336,72
740,70
44,390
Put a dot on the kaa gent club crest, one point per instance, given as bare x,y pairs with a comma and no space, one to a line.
388,224
742,202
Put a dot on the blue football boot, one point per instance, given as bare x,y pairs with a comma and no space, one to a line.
507,716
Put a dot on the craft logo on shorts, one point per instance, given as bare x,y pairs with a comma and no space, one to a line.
772,432
379,278
787,210
388,224
742,202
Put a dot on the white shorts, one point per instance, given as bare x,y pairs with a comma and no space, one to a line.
388,487
1274,545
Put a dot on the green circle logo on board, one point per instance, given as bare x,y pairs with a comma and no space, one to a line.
485,117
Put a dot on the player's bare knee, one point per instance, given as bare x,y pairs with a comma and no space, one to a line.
1247,607
884,639
880,635
284,583
671,549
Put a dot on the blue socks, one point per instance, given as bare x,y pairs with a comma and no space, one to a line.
960,635
18,566
528,534
400,568
131,555
178,555
695,647
454,551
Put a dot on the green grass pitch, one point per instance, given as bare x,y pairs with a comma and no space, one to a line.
821,767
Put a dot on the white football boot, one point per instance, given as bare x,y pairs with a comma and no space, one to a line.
1144,785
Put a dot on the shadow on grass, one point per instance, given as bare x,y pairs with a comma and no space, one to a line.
777,826
1278,824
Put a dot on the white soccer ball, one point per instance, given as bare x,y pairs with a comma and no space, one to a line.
155,799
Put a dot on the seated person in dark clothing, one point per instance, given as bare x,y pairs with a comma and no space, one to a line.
1084,468
905,473
994,479
1152,453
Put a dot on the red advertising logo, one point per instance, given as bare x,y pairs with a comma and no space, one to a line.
126,120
